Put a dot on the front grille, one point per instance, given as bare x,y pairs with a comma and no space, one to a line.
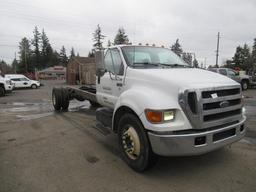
220,93
216,116
207,108
215,105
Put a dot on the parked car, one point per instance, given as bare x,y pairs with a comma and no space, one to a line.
5,86
244,80
21,81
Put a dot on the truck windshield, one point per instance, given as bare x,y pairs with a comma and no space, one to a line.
151,57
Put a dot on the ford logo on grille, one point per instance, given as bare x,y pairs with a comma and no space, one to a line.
224,104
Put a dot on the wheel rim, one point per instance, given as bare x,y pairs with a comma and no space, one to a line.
33,86
245,85
131,143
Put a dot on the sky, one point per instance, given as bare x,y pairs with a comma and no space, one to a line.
160,22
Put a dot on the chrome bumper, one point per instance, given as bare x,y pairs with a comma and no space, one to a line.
196,143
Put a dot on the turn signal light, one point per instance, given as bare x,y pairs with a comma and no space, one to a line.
154,116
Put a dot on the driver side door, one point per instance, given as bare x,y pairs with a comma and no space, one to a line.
110,85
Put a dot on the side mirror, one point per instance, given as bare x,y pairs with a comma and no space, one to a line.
99,59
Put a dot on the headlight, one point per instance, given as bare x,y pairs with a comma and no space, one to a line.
159,116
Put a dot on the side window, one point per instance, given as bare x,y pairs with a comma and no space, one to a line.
15,79
117,60
24,79
108,62
223,71
231,73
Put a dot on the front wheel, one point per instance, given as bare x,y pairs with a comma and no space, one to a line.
2,92
34,86
134,143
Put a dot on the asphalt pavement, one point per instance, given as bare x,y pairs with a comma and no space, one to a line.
42,150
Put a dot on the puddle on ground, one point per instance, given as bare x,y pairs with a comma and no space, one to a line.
33,116
27,111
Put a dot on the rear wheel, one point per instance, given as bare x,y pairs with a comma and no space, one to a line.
244,84
2,92
65,99
134,144
34,86
57,98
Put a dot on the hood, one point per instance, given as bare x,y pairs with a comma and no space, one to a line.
184,77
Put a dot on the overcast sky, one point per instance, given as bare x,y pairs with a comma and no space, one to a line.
72,22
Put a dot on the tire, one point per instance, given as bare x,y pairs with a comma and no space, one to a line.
34,86
142,157
2,92
57,98
65,99
244,84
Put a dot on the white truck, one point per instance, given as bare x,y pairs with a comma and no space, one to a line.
6,86
158,105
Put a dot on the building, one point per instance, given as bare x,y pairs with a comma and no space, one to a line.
56,72
81,70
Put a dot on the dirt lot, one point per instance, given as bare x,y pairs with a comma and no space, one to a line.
41,150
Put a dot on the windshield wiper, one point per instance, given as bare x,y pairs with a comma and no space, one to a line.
175,65
137,64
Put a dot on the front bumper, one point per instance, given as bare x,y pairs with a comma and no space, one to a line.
9,88
187,144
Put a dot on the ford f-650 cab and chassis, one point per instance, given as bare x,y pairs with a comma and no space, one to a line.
158,105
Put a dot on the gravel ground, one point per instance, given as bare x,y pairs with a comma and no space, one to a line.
41,150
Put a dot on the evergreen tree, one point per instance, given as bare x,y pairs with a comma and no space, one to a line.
14,65
36,43
72,53
242,57
109,43
55,59
46,52
121,37
63,56
195,63
247,58
187,57
97,38
253,56
176,48
91,54
25,53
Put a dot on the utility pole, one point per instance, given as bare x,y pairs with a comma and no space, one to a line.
217,51
14,67
26,65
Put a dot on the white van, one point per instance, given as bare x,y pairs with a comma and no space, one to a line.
21,81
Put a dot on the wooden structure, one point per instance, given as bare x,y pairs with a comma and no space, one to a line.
81,71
